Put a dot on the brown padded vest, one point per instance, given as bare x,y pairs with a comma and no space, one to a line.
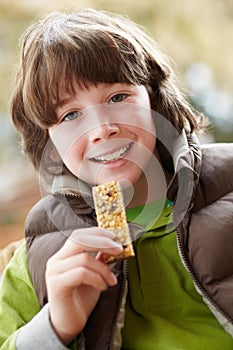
202,192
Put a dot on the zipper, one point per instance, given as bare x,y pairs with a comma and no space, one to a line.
124,272
195,280
72,195
122,293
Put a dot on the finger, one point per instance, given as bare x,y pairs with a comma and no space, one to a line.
88,236
80,260
95,243
94,230
84,240
77,277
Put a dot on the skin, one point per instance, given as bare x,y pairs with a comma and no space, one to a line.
99,121
103,132
75,279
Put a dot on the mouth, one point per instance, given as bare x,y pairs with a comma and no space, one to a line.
113,156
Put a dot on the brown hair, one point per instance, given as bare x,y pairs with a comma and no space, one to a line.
88,47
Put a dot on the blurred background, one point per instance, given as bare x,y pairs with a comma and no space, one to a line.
198,37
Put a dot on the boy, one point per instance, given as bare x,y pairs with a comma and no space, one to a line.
95,101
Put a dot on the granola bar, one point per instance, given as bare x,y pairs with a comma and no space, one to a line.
111,215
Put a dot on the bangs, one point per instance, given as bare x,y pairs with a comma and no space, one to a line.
63,51
80,55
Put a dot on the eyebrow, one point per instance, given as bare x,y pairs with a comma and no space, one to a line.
63,102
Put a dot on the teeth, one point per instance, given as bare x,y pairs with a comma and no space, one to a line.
113,156
108,157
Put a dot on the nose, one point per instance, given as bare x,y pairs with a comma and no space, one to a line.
104,132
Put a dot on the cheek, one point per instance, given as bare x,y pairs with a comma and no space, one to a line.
148,134
143,124
70,149
74,153
67,139
151,143
145,137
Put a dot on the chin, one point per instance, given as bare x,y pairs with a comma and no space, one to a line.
127,177
126,180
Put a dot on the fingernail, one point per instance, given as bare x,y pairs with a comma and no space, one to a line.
111,233
117,246
113,279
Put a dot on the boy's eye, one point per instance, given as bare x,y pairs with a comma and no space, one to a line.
118,98
71,116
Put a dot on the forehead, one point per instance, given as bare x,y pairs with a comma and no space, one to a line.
94,94
94,89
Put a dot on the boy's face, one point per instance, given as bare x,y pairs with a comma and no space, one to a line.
105,132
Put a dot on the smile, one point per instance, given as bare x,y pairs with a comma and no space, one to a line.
114,156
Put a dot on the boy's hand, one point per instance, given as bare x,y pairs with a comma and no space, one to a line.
75,279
